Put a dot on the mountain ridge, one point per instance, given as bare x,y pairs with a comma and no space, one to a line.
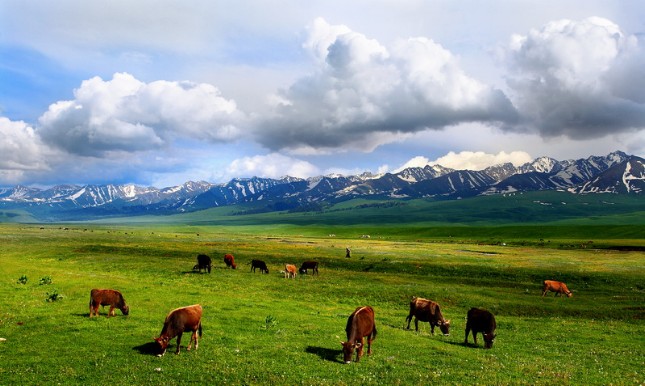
615,173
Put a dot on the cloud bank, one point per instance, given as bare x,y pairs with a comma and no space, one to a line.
578,80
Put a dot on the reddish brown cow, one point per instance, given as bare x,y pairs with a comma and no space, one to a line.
479,320
107,297
313,265
177,322
556,286
229,260
359,325
290,271
427,311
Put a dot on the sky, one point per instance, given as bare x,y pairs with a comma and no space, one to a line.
159,92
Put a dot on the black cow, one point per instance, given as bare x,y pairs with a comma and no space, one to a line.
203,262
313,265
479,320
260,265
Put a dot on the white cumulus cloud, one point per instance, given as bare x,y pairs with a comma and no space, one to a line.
125,114
272,165
363,90
479,160
581,79
22,151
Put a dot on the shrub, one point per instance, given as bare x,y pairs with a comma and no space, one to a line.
22,279
45,280
270,321
53,296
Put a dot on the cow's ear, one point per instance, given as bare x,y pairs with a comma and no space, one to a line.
447,322
358,345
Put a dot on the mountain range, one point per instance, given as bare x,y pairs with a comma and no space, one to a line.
615,173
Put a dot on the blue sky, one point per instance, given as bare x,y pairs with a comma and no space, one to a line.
162,92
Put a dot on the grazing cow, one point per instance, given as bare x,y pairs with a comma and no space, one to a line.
359,325
229,260
177,322
556,286
290,271
427,311
105,297
261,265
479,320
203,262
313,265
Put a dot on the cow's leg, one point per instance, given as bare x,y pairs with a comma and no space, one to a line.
431,328
111,313
467,332
359,350
475,337
416,324
178,342
408,319
193,337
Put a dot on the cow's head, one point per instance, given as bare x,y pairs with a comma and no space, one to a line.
444,326
489,339
125,309
569,294
348,350
234,266
163,344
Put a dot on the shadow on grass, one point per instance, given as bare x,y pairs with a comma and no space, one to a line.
462,344
148,348
327,354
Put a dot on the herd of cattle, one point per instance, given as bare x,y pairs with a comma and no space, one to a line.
360,324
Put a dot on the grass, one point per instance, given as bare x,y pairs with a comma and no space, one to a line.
264,329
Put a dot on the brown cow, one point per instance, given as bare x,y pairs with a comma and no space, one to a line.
556,286
359,325
290,271
105,297
427,311
229,260
177,322
261,265
313,265
479,320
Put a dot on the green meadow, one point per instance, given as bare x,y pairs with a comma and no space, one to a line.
265,329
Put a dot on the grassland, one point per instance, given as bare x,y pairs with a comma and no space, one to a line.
264,329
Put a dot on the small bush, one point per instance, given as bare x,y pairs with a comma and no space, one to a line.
45,280
22,279
53,296
270,321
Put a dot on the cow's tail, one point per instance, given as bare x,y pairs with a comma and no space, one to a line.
200,329
374,333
